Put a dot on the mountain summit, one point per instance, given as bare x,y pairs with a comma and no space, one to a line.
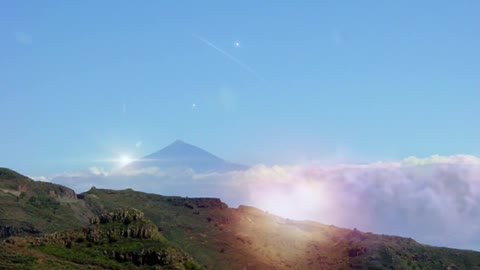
180,154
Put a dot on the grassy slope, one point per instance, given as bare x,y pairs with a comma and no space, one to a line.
226,238
27,206
219,237
100,246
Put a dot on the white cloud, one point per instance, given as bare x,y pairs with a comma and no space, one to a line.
146,171
435,200
40,178
98,171
138,144
23,38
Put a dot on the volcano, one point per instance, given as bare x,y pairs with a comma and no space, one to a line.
182,155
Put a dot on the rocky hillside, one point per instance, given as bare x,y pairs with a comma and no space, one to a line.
123,238
219,237
33,207
204,230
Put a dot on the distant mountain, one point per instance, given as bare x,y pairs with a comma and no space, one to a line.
126,229
181,155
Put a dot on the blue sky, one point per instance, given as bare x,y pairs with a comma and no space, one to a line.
356,81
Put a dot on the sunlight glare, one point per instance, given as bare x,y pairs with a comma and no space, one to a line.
300,201
124,160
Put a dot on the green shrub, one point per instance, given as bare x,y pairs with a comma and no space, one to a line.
192,266
113,238
80,239
128,220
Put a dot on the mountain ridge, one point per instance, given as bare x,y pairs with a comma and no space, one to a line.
219,237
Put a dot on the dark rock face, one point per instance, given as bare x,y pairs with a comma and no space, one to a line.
125,216
356,251
148,257
62,192
211,203
208,203
7,231
148,231
131,223
356,235
122,223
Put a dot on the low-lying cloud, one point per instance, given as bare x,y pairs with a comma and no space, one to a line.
434,200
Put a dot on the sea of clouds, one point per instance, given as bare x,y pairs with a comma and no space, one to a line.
435,200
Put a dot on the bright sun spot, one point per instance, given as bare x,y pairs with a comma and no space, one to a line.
299,201
124,160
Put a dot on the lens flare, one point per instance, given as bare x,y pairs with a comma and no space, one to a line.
124,160
296,201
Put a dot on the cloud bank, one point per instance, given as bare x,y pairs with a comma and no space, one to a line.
435,200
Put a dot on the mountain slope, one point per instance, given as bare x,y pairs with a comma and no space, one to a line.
206,230
247,238
33,207
120,239
185,156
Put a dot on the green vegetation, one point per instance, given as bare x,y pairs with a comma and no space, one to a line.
122,239
126,229
30,207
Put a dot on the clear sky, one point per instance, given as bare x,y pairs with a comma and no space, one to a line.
251,81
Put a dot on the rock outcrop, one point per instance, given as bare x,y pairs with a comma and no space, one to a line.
9,230
124,235
148,257
121,223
